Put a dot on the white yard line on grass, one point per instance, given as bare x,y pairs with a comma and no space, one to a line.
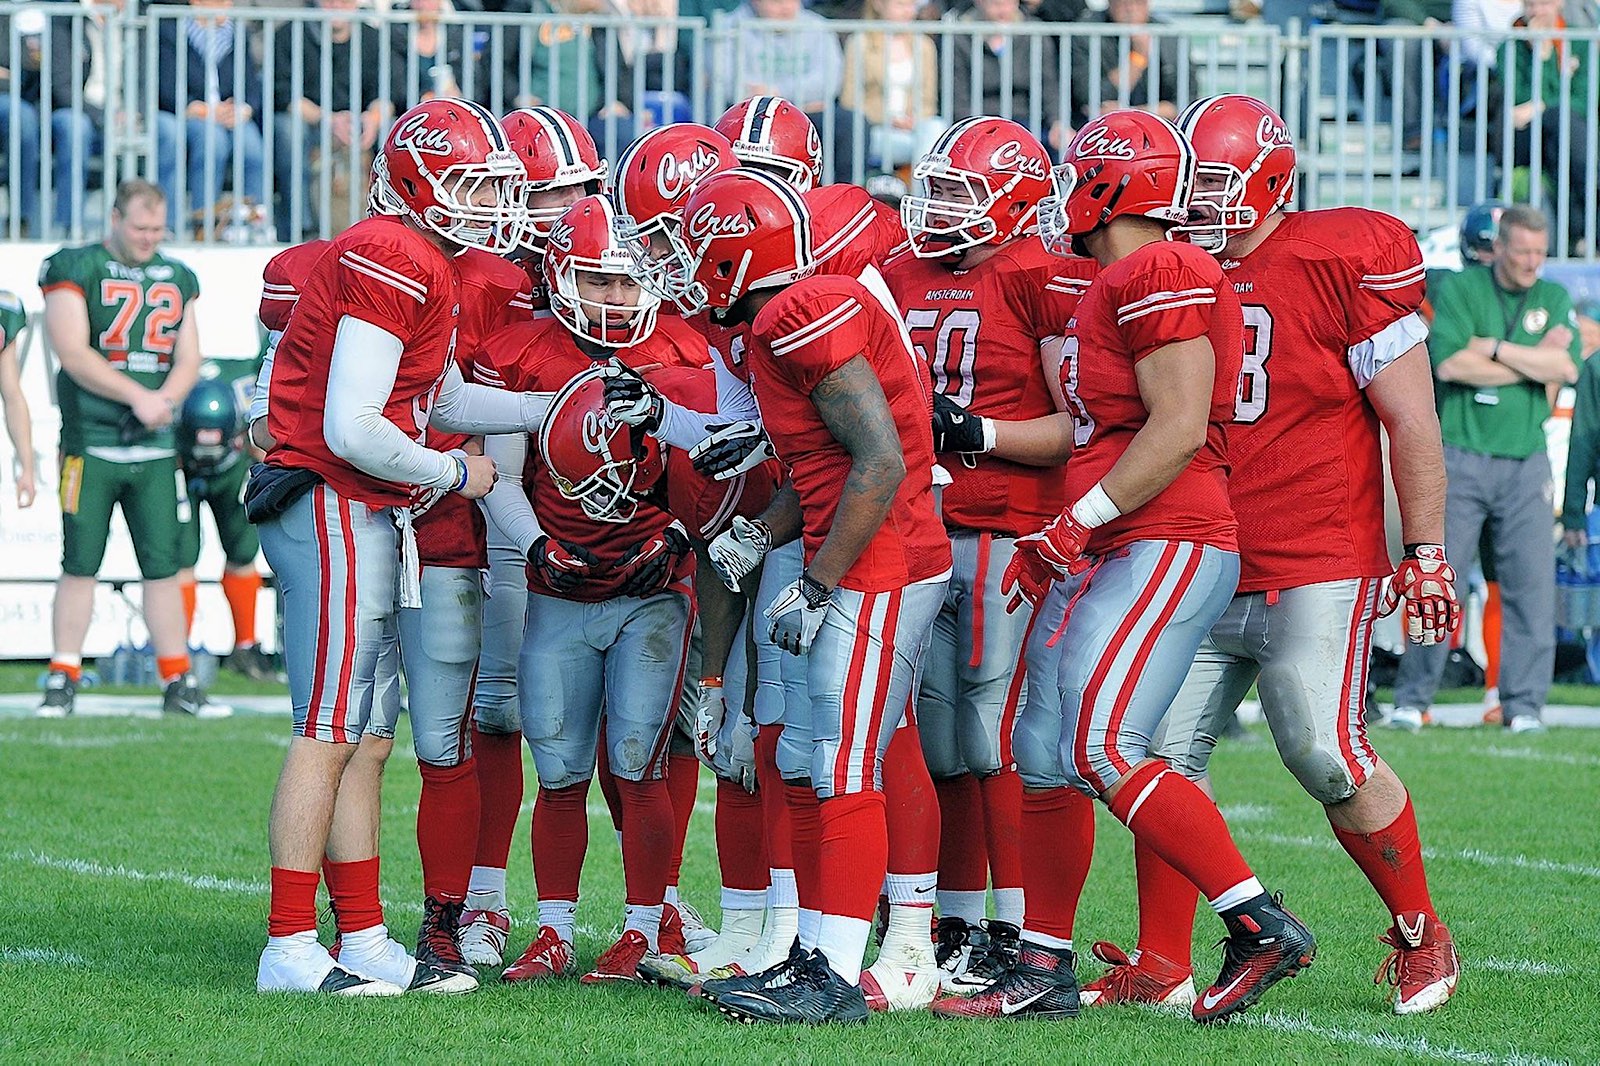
1561,757
47,956
1419,1046
95,869
88,740
1476,856
1521,967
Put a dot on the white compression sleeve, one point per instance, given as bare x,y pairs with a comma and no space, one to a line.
258,399
507,505
361,375
463,407
683,428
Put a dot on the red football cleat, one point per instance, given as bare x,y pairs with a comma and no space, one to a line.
1263,947
1423,967
1146,979
619,962
548,956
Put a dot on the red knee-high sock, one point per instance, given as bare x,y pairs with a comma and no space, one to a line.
1392,860
1166,907
683,782
498,760
1180,823
1002,827
805,820
774,796
294,902
608,783
646,840
963,850
353,893
240,590
1057,847
446,814
853,855
741,850
911,806
560,839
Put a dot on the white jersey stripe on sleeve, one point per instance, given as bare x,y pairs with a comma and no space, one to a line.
410,286
1157,297
811,331
1170,305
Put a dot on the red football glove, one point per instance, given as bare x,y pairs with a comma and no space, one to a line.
1427,582
1043,558
647,567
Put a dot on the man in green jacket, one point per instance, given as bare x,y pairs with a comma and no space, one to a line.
1503,339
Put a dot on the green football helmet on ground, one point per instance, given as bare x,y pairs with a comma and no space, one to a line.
209,427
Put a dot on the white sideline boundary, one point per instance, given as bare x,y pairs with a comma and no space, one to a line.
1476,856
1418,1046
41,956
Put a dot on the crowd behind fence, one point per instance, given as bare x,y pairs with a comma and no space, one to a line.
261,122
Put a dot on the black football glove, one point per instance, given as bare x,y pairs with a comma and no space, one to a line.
955,429
631,400
730,450
564,566
647,567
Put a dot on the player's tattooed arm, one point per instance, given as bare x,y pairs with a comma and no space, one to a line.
1402,395
855,410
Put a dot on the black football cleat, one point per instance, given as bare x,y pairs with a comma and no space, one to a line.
1265,944
994,961
436,938
60,696
1040,984
809,993
719,986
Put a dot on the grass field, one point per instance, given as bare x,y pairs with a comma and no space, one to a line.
134,900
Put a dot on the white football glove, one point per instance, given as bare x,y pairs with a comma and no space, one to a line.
737,552
797,612
423,499
709,711
630,399
730,450
741,754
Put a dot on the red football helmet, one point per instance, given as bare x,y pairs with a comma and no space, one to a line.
558,153
654,177
598,462
1125,162
438,165
743,229
981,183
584,240
1244,169
770,133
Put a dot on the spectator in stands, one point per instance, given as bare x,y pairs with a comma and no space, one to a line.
803,63
564,59
22,96
1502,339
218,101
1548,107
1407,73
430,56
19,427
1128,77
1486,21
980,69
1056,10
348,109
892,79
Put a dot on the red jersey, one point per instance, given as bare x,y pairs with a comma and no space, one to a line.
384,273
282,279
850,230
704,505
979,330
542,356
811,329
532,266
1307,479
1161,294
493,296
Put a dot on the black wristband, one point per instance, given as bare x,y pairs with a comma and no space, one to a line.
816,593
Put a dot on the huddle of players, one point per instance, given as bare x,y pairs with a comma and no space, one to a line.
912,582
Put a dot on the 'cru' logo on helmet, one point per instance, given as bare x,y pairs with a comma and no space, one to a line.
416,135
1010,156
561,235
707,223
1271,134
1102,143
595,432
675,176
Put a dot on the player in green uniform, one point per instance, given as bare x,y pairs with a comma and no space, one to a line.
213,453
12,319
117,315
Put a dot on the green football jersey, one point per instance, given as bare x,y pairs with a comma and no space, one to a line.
135,313
12,318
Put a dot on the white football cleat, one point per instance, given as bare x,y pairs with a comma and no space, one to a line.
1526,723
697,936
300,964
741,930
485,926
889,985
777,937
373,953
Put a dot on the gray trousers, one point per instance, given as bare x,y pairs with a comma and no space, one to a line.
1512,499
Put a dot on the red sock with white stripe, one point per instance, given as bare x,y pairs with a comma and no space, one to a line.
646,851
560,840
1057,848
1166,907
293,906
741,848
1392,860
963,855
447,807
497,759
854,857
805,819
1180,824
353,894
778,831
683,783
1002,829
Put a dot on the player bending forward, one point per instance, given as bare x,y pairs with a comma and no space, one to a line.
1333,347
1128,581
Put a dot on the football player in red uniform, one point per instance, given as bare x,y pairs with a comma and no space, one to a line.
607,576
362,368
769,133
844,400
980,296
562,165
1334,348
281,281
1129,579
